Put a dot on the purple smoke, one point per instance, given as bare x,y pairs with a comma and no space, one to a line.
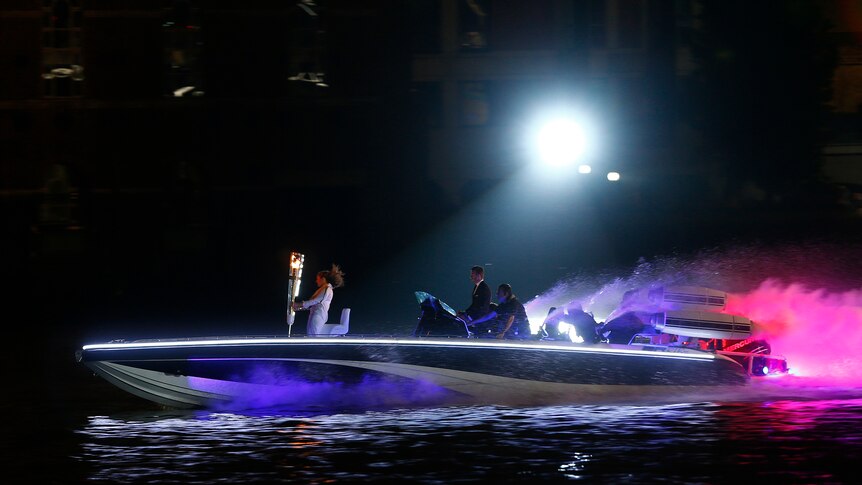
265,387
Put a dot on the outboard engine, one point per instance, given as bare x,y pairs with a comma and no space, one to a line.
691,316
702,325
688,298
677,298
664,298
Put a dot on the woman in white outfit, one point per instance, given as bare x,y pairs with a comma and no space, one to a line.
318,305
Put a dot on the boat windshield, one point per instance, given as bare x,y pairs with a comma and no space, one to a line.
422,297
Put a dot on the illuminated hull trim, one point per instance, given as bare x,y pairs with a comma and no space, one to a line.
206,372
469,343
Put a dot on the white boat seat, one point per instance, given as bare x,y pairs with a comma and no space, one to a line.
340,328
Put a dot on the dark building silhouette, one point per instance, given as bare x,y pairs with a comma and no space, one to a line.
843,153
196,138
131,96
85,81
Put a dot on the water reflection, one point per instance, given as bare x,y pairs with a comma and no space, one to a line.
573,468
688,442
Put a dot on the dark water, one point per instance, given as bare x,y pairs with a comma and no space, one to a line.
784,441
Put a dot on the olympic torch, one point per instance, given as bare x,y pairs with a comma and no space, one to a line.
294,278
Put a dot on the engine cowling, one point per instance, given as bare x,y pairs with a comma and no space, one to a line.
699,324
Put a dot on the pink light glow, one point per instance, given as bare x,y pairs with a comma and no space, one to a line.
820,332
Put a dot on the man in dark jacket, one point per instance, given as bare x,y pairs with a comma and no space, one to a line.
507,321
481,303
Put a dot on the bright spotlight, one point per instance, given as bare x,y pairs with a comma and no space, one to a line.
561,142
584,169
613,176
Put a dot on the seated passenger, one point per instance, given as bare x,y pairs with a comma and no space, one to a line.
551,326
508,320
623,328
318,305
583,322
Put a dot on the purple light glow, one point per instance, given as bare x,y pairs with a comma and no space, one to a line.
267,386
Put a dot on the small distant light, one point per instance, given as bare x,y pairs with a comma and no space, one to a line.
765,370
307,5
178,93
585,169
613,176
310,77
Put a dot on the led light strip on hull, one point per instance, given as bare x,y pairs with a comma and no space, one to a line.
477,344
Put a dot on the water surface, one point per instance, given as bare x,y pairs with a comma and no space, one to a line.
786,441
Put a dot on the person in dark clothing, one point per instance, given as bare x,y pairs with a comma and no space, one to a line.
508,320
481,299
621,329
551,326
583,322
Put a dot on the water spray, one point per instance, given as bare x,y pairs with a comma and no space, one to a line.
805,298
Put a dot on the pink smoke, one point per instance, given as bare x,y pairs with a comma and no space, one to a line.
819,332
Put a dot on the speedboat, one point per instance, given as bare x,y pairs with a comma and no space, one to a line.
245,372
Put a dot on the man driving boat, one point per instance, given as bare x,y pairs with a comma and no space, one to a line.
481,299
